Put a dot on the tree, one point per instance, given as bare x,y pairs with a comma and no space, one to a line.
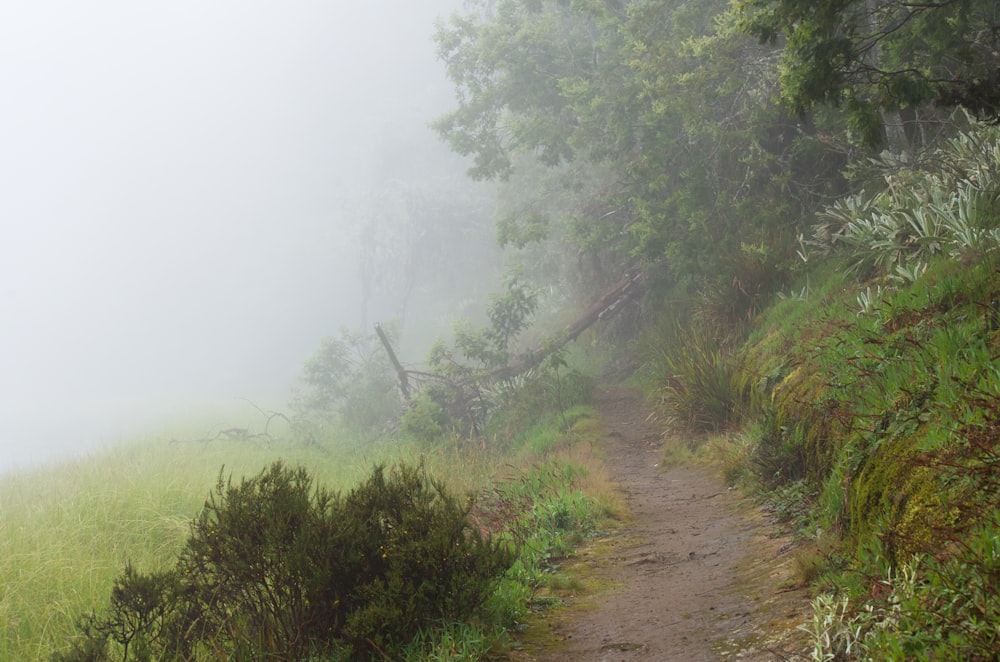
721,165
875,57
512,63
350,377
669,99
478,352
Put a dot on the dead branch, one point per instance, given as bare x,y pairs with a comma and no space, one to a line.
404,382
468,390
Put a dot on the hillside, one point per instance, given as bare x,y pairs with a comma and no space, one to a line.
865,403
777,220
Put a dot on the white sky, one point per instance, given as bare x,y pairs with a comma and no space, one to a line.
177,187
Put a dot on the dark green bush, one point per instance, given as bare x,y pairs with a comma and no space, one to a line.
419,561
276,569
258,565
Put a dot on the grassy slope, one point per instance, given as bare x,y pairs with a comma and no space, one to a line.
885,415
67,530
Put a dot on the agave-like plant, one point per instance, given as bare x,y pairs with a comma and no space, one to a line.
869,299
921,212
505,392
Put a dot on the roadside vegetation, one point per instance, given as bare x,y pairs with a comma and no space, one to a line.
429,543
811,191
863,406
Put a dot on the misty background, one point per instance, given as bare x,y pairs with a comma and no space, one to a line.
185,186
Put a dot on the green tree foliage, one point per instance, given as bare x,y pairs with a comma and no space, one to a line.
483,350
716,125
349,377
475,359
721,166
669,100
511,62
540,85
275,569
873,56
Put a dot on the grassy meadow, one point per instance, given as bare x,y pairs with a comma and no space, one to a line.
68,529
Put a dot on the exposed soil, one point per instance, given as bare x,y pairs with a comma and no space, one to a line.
697,572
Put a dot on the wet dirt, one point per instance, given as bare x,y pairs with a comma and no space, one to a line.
696,572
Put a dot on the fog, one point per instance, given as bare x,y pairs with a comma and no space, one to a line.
181,185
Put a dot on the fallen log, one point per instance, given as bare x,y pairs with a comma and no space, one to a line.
604,307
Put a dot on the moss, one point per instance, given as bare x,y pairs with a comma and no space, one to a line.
899,501
804,413
856,405
926,515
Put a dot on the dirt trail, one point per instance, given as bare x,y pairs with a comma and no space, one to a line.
697,573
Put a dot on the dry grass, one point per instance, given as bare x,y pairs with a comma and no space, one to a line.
584,451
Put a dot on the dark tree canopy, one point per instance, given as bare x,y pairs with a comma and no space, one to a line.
668,98
700,137
873,56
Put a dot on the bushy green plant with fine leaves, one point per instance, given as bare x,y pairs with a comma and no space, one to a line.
419,561
276,568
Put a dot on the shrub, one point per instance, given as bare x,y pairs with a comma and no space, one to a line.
349,379
258,568
920,212
517,404
275,568
418,560
425,420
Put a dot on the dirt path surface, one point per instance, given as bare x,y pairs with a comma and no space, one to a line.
696,573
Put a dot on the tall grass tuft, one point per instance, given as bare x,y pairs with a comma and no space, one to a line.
691,373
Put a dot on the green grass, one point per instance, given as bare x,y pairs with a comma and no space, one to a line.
66,530
885,418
